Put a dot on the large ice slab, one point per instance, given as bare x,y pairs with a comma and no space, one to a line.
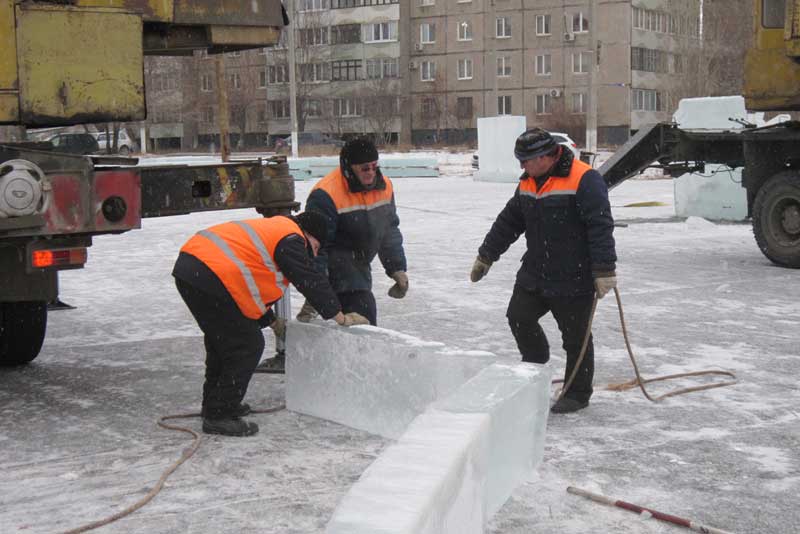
496,138
516,397
370,378
430,482
458,462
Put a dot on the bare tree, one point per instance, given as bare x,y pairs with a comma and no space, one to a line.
709,56
382,106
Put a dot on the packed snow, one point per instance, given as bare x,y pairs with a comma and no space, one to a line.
78,425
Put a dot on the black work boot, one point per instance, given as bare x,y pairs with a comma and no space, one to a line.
232,426
240,411
568,405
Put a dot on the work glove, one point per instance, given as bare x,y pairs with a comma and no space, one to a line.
400,287
306,313
279,327
479,268
603,283
354,319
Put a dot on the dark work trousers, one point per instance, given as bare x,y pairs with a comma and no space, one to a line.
234,345
362,302
572,316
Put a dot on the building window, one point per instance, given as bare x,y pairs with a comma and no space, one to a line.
347,107
427,71
503,66
503,27
504,105
428,106
382,68
581,62
313,108
542,24
578,102
235,53
648,59
277,74
313,36
464,31
235,80
543,104
208,115
205,83
346,34
427,33
464,107
262,114
424,3
262,78
279,109
464,69
646,100
314,72
580,24
543,65
312,5
347,69
380,32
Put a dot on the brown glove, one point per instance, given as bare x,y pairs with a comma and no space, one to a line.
279,327
479,268
306,313
354,319
605,283
400,287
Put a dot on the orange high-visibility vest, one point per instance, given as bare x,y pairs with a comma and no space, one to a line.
242,255
346,201
567,185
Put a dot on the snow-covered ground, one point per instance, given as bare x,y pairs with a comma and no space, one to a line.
78,431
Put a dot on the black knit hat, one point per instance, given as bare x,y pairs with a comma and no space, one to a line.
357,151
314,224
533,143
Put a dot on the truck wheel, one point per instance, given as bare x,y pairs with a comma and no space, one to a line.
776,219
22,328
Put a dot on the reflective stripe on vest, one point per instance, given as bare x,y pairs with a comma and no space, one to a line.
241,254
567,185
335,184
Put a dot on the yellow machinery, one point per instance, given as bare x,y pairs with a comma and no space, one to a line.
65,62
81,61
772,65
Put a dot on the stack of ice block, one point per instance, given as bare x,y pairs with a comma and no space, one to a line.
470,430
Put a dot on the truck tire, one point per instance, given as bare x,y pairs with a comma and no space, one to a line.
22,329
776,219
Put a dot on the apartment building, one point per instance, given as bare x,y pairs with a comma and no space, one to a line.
479,58
425,70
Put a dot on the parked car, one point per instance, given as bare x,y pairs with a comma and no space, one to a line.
125,145
74,143
561,138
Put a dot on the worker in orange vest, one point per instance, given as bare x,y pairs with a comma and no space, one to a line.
229,276
358,202
561,205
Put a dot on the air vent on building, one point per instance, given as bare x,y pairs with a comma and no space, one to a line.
569,37
418,47
555,93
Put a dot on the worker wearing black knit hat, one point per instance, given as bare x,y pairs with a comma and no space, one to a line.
561,205
229,276
358,202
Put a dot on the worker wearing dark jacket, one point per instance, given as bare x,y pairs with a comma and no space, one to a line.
229,275
358,202
561,204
